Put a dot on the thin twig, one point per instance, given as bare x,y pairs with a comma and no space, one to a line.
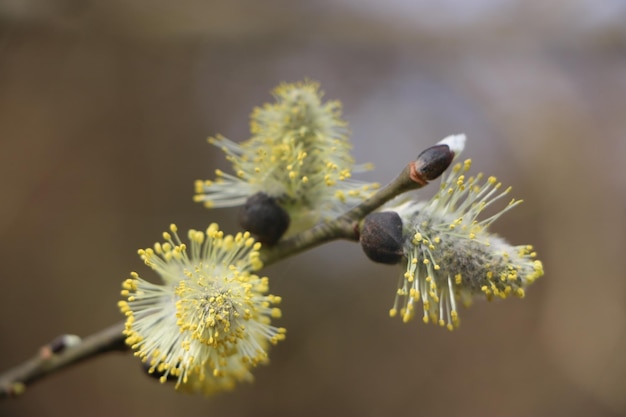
14,381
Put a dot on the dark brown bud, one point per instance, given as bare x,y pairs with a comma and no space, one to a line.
432,162
264,218
381,237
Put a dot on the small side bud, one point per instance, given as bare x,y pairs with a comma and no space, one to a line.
431,163
264,218
62,342
59,344
381,237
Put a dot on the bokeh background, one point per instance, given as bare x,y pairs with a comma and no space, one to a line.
104,112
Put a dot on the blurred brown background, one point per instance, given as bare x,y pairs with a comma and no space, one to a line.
104,111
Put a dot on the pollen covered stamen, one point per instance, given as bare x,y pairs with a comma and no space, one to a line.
209,324
299,153
451,256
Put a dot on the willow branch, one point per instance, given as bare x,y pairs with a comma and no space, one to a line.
60,353
429,165
55,356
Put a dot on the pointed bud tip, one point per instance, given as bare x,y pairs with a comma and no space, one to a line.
431,163
456,143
